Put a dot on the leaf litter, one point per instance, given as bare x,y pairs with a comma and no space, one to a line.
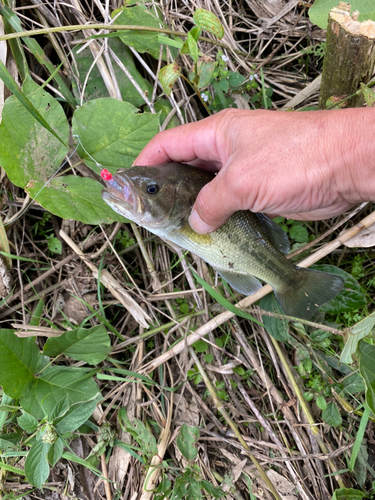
260,394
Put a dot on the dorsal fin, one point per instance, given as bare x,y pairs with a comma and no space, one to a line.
274,233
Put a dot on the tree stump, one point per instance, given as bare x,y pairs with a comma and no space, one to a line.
350,56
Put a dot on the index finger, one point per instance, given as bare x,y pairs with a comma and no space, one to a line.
186,143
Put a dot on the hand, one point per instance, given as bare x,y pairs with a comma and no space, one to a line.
302,165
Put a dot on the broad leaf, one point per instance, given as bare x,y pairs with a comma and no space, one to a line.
27,150
347,494
276,327
331,415
95,87
366,355
54,383
113,132
187,440
73,197
77,415
354,334
351,296
36,465
139,15
27,422
319,11
19,363
84,344
55,452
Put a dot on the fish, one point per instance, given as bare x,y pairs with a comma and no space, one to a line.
248,248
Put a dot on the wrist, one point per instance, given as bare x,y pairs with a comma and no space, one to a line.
353,153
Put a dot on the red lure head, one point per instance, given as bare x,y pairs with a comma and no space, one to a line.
105,174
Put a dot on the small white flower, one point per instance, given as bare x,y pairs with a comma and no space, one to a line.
251,77
225,58
204,97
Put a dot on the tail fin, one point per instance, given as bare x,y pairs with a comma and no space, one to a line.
311,289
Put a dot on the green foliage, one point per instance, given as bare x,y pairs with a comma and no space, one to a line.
276,327
351,298
53,400
331,415
95,86
295,229
366,356
319,11
187,440
347,494
141,41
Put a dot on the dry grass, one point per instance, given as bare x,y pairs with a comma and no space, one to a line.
298,455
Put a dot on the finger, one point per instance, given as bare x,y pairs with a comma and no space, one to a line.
214,205
185,143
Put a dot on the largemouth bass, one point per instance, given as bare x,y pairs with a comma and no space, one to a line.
248,247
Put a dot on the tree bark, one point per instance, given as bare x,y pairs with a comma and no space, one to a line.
350,57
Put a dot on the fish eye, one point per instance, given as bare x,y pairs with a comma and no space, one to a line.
152,188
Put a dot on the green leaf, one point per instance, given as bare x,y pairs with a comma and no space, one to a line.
359,437
53,384
207,21
193,47
39,54
83,344
77,198
224,302
319,11
54,245
321,402
24,101
200,346
76,415
353,335
298,232
187,440
95,86
19,363
368,94
347,494
27,422
235,79
36,465
276,327
113,132
55,452
366,356
331,415
139,432
211,489
168,75
351,296
27,150
206,68
139,15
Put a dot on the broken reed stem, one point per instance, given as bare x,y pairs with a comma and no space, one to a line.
305,409
220,407
248,301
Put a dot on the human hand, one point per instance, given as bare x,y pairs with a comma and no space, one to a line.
301,165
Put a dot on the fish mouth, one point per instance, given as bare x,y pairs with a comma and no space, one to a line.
120,195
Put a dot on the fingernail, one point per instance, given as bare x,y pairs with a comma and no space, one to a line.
197,224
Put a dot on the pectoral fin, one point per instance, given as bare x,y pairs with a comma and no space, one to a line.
243,283
274,233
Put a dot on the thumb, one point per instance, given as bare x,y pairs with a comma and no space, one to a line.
213,207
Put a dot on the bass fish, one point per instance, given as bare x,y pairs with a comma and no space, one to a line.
248,247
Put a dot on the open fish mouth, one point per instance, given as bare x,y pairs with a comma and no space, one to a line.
119,193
